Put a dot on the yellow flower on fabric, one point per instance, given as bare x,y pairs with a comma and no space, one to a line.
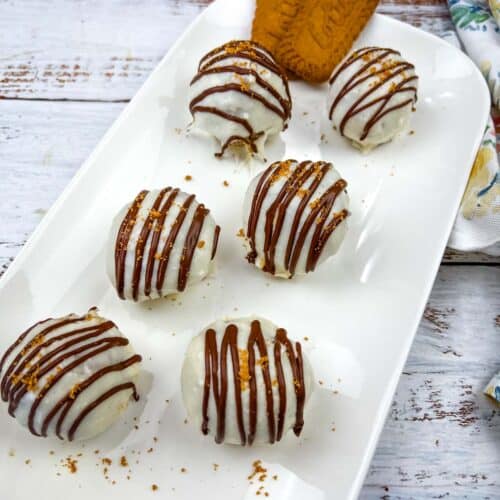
485,67
493,388
480,177
495,10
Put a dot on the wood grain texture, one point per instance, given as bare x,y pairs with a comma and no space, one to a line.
441,439
105,50
42,144
101,51
66,71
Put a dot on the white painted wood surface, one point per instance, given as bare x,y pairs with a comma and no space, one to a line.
67,68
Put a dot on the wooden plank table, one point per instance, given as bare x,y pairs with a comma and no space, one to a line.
66,71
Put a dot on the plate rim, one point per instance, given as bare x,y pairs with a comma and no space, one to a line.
383,410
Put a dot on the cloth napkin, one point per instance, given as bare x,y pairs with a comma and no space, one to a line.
477,226
478,30
493,388
495,9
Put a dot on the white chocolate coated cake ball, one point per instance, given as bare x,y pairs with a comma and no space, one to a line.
70,377
372,95
295,216
160,244
245,382
240,96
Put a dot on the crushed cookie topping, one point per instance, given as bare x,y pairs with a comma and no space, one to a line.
258,469
74,391
263,361
314,203
30,380
244,373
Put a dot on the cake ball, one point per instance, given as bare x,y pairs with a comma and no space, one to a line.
240,96
245,382
160,244
295,215
70,377
372,94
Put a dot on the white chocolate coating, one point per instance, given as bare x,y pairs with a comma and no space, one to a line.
75,360
371,97
159,217
193,382
240,96
301,194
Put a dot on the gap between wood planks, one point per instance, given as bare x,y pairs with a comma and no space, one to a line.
63,99
495,263
84,61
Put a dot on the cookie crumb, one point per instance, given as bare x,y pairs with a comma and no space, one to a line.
71,465
188,178
257,469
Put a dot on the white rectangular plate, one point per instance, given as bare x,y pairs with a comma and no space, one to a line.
360,311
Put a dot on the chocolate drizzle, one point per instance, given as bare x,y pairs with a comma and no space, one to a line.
256,59
216,382
161,242
192,239
122,239
376,67
49,351
301,179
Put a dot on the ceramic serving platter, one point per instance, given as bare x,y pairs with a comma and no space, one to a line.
359,311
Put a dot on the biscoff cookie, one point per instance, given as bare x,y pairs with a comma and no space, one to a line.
271,20
320,35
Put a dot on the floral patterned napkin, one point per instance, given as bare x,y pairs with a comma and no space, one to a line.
495,10
479,33
477,227
493,388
